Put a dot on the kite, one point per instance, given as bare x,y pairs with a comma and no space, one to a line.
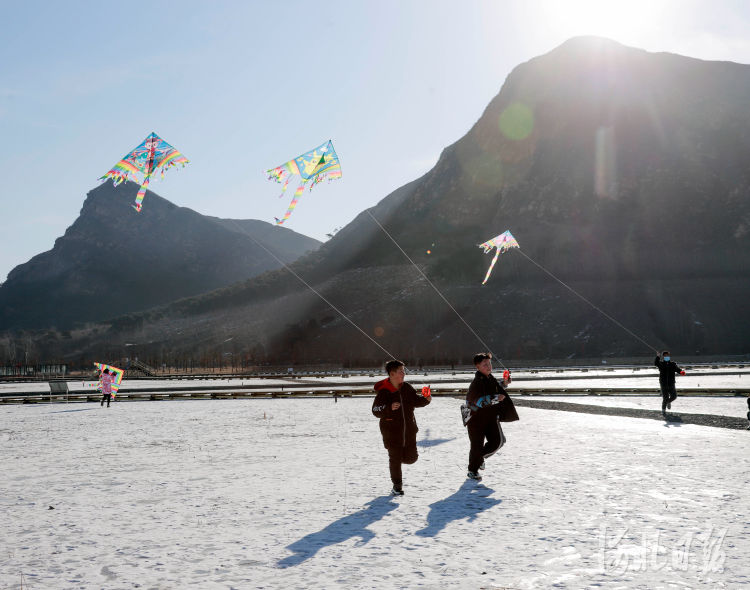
503,242
313,166
147,158
118,373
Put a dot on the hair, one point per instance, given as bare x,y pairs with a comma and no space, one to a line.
480,356
105,371
393,365
665,353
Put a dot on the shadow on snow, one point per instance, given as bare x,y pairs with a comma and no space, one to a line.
467,502
672,420
347,527
432,442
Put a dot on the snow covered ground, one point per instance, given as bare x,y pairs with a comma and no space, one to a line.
717,405
643,380
646,377
292,493
522,381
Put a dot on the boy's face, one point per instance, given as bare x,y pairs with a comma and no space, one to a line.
484,367
397,376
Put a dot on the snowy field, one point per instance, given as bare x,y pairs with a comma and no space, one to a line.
645,377
622,379
716,405
643,380
293,493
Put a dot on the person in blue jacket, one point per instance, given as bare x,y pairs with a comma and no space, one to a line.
487,405
394,404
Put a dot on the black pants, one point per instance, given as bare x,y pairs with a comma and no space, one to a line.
479,431
668,395
106,397
399,455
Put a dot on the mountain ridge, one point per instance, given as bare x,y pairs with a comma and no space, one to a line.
620,171
112,260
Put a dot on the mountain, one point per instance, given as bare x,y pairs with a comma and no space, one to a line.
622,173
114,261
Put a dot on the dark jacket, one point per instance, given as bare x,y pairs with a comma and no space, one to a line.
398,427
667,370
482,399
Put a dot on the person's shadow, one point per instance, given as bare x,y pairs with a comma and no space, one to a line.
672,420
347,527
467,502
432,442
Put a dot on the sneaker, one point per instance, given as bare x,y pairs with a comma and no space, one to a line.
397,490
669,406
482,465
474,475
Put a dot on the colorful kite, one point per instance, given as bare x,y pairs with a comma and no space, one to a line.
118,376
147,158
314,166
503,242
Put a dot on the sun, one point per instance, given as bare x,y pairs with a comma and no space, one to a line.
625,21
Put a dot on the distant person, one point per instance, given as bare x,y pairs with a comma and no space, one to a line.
107,380
394,404
748,412
667,371
486,406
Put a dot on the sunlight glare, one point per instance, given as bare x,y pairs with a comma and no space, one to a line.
625,22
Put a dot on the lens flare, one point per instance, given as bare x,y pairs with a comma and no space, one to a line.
605,170
516,121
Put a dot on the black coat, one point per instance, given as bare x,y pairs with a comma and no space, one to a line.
667,371
482,391
398,427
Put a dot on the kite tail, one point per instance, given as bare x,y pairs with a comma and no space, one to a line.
141,193
286,184
329,176
492,265
293,204
317,179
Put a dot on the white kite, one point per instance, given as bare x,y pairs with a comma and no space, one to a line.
503,242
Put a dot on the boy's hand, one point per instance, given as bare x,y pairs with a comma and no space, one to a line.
682,372
426,392
395,405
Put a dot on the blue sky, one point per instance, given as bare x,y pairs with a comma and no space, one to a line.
240,87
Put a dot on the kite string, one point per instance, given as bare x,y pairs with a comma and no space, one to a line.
304,282
601,311
487,348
